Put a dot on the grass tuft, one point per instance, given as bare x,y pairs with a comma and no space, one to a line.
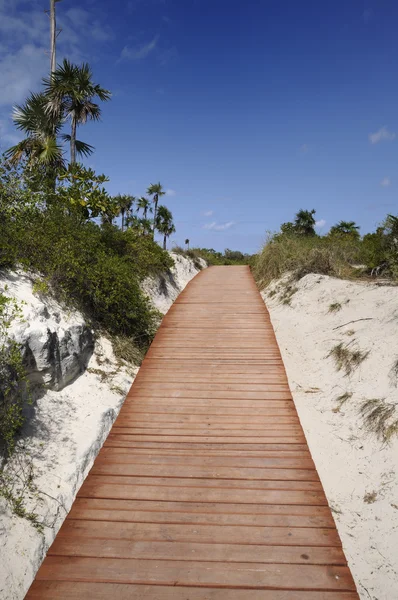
334,307
346,359
370,497
380,418
342,399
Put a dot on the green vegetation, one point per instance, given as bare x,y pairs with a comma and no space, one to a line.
298,250
342,399
380,418
334,307
346,359
212,257
13,386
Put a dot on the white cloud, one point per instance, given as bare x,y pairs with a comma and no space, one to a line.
386,182
101,33
170,193
208,213
21,72
139,53
321,223
218,226
380,135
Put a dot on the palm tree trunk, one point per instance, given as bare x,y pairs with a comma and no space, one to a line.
73,142
53,35
164,241
145,212
155,212
122,220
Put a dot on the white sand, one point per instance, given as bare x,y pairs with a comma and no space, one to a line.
68,429
351,462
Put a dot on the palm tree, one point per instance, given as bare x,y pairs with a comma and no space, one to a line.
155,190
164,223
304,223
144,205
40,147
125,204
345,228
187,243
71,91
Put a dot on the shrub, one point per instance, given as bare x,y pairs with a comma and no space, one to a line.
301,255
13,387
96,270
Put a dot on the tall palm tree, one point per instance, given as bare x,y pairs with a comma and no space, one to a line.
187,243
156,191
71,93
304,223
125,204
40,146
345,228
164,223
144,205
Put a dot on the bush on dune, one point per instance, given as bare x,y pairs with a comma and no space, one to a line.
302,255
97,269
298,250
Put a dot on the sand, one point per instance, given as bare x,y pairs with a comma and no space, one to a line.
358,470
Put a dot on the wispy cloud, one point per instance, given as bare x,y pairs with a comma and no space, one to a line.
20,72
139,52
208,213
101,33
218,226
321,223
170,192
385,182
383,134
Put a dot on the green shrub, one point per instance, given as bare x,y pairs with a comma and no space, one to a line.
86,266
301,255
13,387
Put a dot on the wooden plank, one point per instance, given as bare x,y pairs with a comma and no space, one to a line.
186,573
70,545
210,534
112,487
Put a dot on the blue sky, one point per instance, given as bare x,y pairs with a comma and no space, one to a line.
245,110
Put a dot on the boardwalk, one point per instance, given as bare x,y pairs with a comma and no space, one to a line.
205,488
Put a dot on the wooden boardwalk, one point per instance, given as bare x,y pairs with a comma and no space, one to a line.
205,488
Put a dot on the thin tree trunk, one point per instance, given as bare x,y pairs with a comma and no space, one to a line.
164,242
73,142
53,36
122,220
155,212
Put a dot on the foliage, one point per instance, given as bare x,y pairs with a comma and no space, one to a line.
164,223
304,224
347,359
341,253
156,191
83,192
40,147
212,257
345,228
380,418
69,94
305,254
13,387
